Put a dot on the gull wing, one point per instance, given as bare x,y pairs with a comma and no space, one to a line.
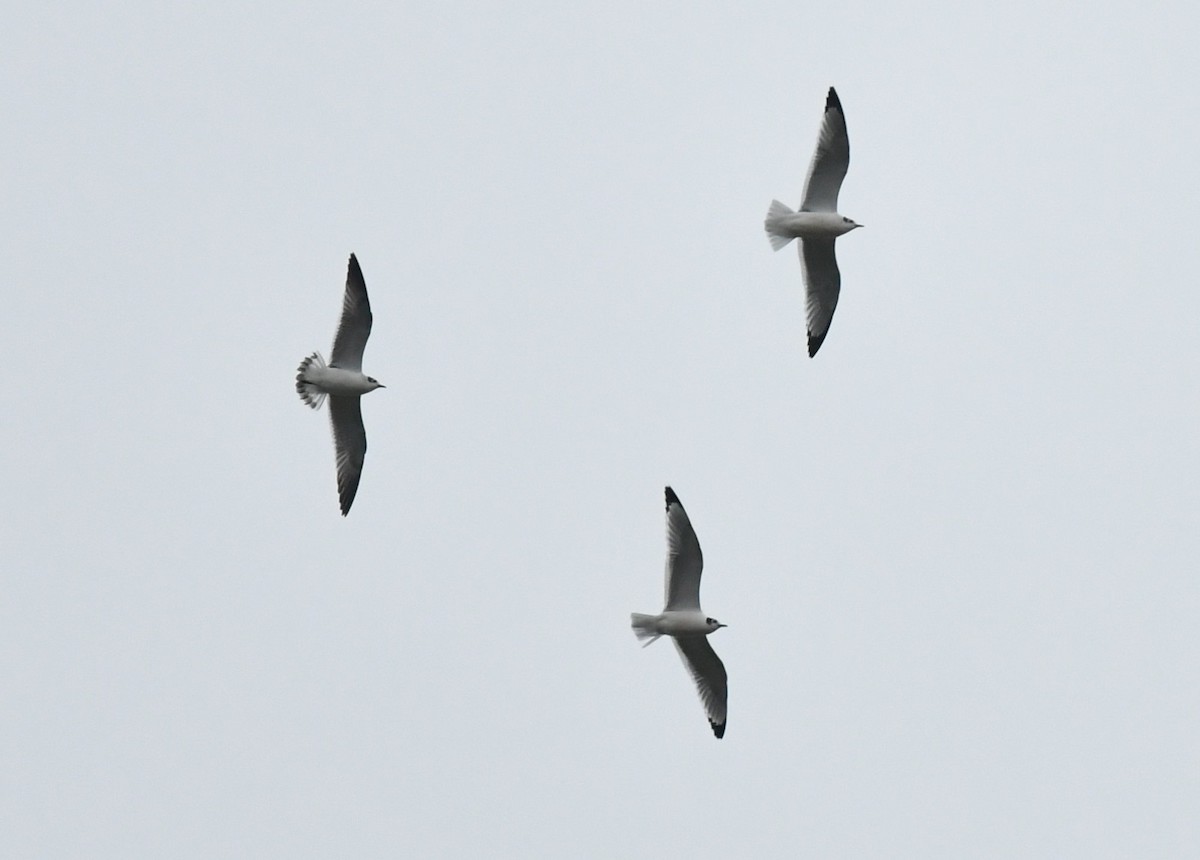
350,440
684,560
708,672
822,283
355,326
830,160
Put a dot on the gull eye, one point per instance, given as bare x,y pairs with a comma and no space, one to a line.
709,621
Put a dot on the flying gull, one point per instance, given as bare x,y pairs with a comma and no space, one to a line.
345,383
683,620
817,223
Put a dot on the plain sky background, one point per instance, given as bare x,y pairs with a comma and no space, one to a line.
956,551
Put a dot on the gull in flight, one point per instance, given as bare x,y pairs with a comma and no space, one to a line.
817,223
683,620
345,383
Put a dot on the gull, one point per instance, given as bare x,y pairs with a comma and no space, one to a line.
683,620
345,383
817,223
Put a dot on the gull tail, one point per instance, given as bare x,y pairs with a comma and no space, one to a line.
777,211
309,392
644,627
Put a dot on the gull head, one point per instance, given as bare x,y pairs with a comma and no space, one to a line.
373,383
713,624
850,225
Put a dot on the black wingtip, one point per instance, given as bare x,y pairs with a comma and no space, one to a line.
672,499
353,266
814,343
718,728
346,499
832,102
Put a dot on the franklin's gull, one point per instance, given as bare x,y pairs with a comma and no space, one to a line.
683,620
817,223
345,383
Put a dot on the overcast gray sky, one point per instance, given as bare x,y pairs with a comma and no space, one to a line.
956,550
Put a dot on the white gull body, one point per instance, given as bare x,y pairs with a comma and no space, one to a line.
818,223
343,381
683,620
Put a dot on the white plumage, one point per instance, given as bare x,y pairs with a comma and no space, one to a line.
817,223
343,381
683,620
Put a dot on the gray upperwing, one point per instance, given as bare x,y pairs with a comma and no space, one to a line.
708,672
822,283
684,559
355,327
829,161
350,440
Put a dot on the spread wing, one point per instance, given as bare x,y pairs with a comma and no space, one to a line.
350,440
708,672
684,560
830,160
355,326
822,283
